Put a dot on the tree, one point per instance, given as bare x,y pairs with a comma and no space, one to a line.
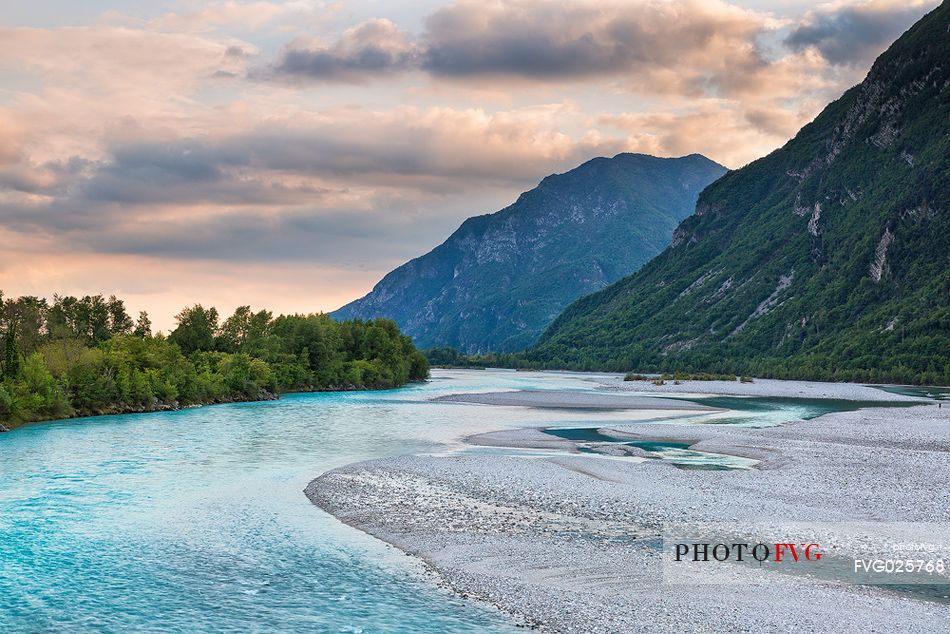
258,331
29,314
91,318
197,327
143,326
235,330
11,354
419,366
38,393
119,321
86,357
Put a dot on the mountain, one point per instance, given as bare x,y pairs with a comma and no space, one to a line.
501,278
828,258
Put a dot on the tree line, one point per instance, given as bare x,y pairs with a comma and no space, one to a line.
860,360
87,356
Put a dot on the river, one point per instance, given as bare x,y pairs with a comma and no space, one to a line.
195,520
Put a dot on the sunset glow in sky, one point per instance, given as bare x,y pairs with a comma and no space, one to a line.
288,154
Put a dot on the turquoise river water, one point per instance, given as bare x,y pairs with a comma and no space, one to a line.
195,520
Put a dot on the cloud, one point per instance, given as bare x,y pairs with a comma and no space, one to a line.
709,129
707,43
374,48
341,237
854,34
433,149
687,48
116,60
321,186
247,15
87,84
555,40
114,148
155,145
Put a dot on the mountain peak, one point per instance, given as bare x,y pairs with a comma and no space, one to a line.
828,257
500,279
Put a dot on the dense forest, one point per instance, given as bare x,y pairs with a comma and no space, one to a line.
813,368
81,357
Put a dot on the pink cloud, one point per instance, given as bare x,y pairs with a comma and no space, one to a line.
140,157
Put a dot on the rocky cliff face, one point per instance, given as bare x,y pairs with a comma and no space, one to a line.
500,279
830,257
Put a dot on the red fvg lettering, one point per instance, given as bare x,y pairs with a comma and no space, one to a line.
806,551
777,552
780,551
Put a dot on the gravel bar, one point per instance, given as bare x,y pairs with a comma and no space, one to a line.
761,387
574,400
569,543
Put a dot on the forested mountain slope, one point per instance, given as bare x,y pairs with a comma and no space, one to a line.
829,258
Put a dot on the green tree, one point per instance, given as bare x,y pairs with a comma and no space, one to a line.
11,353
119,321
235,330
197,328
84,357
29,315
143,326
37,394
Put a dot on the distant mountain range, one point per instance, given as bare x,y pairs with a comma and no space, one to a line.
501,278
829,258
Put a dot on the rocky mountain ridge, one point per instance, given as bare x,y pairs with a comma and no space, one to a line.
828,258
501,278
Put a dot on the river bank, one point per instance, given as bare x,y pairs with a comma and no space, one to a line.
120,409
193,520
568,541
773,388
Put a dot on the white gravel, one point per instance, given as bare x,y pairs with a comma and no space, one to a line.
760,387
563,399
565,542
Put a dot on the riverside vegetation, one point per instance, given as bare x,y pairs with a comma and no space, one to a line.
86,356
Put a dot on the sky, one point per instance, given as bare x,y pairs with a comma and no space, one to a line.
286,155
